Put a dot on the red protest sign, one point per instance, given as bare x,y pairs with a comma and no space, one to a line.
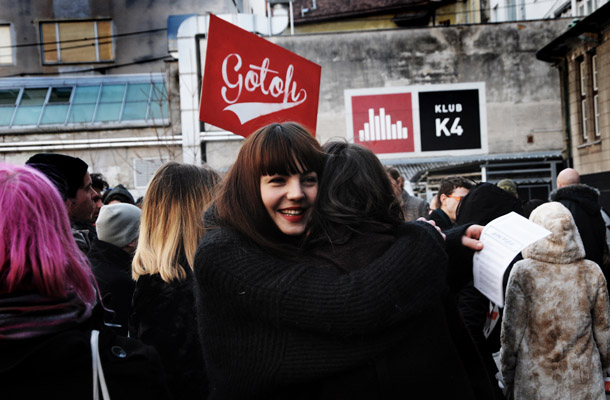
249,82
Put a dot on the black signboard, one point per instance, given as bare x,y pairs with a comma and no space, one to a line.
450,120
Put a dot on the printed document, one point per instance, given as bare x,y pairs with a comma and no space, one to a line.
503,238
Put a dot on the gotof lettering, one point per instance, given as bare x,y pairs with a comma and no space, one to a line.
256,78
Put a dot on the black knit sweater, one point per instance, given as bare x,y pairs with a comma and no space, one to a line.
273,328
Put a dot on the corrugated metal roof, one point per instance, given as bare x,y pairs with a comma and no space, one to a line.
412,168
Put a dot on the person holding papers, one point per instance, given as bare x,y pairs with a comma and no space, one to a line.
556,327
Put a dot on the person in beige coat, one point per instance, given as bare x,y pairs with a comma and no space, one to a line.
556,327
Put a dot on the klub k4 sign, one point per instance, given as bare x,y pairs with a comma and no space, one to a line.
414,121
249,82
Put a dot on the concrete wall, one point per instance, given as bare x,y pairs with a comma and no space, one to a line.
523,93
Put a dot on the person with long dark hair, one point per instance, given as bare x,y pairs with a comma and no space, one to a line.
278,320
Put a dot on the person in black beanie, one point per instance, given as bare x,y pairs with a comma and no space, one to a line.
118,194
70,177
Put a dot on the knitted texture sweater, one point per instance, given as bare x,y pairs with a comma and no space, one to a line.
270,325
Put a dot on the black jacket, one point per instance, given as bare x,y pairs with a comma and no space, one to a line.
111,266
163,316
274,328
583,203
58,366
484,203
441,219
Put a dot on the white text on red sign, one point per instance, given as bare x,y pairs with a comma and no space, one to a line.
256,78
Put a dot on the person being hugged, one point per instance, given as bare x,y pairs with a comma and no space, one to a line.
278,321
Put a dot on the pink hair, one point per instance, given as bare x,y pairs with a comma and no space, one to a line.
37,250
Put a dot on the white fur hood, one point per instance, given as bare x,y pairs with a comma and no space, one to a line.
564,245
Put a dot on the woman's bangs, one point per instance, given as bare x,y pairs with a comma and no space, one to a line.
285,158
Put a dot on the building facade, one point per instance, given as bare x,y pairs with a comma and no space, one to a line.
95,80
582,56
85,79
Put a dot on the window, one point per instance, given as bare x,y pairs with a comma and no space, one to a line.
96,101
598,131
76,42
522,15
511,10
583,110
589,97
8,102
583,99
6,49
596,127
583,85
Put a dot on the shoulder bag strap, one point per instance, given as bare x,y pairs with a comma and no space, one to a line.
98,372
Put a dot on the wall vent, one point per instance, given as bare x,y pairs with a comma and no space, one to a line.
144,169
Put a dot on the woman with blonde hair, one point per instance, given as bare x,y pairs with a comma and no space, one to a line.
162,310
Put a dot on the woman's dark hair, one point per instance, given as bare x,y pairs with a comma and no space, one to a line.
354,193
286,149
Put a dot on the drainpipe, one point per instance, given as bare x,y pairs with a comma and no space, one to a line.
565,97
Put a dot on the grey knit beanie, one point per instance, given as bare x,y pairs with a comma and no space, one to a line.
118,224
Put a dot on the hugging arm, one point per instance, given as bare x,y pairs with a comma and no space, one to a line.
400,284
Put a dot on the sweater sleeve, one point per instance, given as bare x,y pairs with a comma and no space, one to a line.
600,315
513,326
311,296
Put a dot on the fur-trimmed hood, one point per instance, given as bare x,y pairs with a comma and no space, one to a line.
564,245
585,196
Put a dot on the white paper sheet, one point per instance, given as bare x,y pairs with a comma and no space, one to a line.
503,238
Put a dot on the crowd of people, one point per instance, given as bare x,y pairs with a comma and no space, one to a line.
305,272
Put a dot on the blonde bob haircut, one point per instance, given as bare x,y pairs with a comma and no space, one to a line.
172,220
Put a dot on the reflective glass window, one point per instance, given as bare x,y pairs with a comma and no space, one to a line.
27,115
108,112
33,97
86,94
81,113
135,111
6,114
9,96
82,101
54,114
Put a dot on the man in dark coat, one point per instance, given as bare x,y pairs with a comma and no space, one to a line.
110,257
583,202
70,177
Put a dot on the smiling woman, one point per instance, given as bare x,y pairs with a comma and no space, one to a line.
279,165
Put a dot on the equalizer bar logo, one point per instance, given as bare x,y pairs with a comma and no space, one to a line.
380,127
